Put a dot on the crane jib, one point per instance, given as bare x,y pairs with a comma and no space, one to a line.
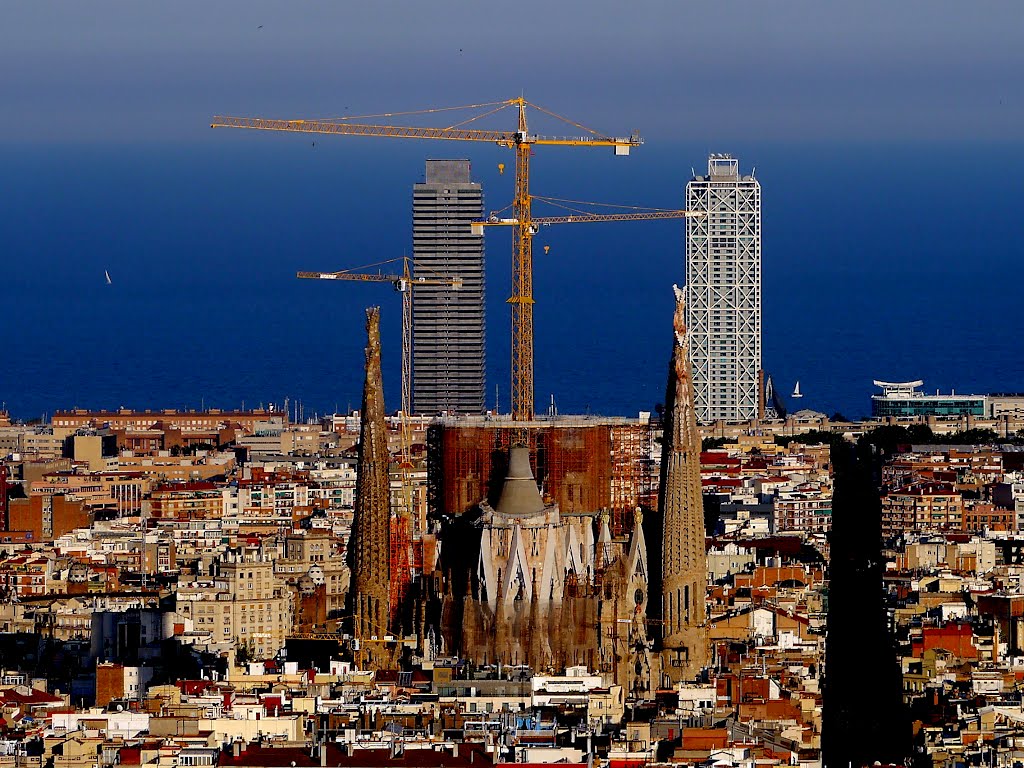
505,138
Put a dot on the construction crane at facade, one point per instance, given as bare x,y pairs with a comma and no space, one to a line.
522,142
401,524
403,284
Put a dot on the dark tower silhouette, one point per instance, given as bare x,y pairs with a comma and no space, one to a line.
864,717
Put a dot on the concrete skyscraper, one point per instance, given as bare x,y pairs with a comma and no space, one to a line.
448,342
723,291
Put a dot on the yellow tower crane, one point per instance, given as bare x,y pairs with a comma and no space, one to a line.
518,139
404,284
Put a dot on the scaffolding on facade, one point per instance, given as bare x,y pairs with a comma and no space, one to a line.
400,561
585,465
635,470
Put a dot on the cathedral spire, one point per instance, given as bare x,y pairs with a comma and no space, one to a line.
371,529
683,562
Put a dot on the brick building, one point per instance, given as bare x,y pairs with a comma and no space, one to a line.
46,517
116,682
126,419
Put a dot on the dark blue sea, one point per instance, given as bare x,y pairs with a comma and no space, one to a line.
879,261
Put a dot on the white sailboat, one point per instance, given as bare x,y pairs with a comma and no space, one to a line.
107,275
796,390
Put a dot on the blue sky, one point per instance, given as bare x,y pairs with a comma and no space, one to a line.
786,70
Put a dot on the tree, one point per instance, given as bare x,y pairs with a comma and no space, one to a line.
812,437
712,512
973,436
245,651
891,438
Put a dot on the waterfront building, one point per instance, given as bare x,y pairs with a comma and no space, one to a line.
249,422
448,352
723,291
904,400
1005,405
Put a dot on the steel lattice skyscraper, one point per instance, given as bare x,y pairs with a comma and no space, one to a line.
723,291
448,324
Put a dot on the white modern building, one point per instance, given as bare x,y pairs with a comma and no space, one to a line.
723,291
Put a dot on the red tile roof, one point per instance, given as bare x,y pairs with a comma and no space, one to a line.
33,698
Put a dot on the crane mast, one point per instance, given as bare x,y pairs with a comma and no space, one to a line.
403,284
522,284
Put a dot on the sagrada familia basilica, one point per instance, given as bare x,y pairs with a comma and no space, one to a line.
524,583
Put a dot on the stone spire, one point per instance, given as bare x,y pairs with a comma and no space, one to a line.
369,548
683,558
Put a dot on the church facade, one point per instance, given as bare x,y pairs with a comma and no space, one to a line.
531,586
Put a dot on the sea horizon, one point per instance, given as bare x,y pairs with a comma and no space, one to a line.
879,262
